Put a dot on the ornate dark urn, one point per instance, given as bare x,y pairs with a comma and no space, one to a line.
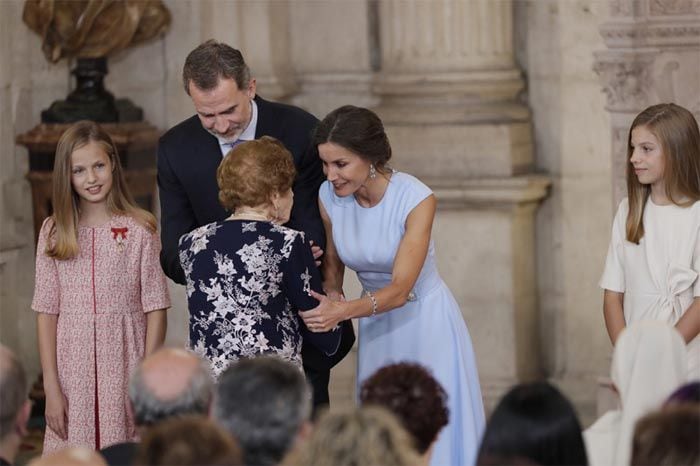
90,31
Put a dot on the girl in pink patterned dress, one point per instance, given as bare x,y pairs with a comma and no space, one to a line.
100,294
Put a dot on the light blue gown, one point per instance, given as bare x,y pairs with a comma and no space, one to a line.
429,329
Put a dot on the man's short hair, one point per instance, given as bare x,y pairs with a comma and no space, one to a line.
13,390
211,61
263,402
195,399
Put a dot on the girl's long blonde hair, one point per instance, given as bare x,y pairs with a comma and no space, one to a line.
63,235
677,131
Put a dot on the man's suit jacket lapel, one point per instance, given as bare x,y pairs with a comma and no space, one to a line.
207,147
206,158
267,124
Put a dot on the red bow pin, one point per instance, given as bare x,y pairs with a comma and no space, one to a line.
119,234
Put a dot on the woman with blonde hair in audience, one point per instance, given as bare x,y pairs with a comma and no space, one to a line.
364,436
649,362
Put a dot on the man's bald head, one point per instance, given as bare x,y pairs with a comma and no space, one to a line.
170,382
72,456
13,390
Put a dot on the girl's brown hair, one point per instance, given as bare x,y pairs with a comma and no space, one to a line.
677,131
63,234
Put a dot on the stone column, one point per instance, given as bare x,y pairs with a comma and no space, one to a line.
652,56
261,31
331,49
448,88
456,56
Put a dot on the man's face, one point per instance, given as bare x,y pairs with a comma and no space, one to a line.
225,110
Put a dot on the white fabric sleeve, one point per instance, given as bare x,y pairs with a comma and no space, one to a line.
613,278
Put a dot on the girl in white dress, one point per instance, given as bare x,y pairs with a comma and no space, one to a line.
653,262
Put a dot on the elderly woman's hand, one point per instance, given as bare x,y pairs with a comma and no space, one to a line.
317,252
326,316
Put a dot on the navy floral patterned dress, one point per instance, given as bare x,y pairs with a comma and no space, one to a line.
246,282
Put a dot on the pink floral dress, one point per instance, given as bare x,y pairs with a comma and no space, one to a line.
101,297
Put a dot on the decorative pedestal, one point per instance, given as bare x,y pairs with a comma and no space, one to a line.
136,143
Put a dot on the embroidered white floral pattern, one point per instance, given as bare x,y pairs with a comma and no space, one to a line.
246,280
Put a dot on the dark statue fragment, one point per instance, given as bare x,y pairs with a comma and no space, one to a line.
90,31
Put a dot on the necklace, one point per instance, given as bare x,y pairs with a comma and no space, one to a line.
249,215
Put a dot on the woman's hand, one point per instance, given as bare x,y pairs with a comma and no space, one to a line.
335,295
57,412
326,315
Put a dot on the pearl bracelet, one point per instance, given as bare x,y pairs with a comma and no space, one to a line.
373,300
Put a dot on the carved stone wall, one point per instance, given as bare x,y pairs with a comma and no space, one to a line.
555,42
652,56
332,46
27,81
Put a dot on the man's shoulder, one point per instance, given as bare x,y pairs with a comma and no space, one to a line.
183,131
285,111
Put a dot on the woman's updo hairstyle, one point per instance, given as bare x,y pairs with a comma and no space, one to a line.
358,130
253,172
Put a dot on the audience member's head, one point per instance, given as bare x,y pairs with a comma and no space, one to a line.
370,435
688,393
187,441
649,363
670,436
413,396
71,456
265,403
14,405
534,422
170,382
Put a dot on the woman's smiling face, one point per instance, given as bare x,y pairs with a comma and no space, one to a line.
346,170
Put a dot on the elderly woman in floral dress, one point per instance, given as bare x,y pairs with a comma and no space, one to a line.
248,276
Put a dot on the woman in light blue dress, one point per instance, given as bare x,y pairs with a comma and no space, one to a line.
378,223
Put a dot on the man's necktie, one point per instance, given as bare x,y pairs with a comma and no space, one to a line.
230,145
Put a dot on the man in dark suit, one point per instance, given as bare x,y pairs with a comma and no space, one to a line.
228,110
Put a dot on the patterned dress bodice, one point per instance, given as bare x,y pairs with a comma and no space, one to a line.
246,282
